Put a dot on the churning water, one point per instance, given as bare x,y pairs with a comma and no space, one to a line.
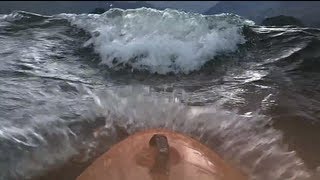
250,93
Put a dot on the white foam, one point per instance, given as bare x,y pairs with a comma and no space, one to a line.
160,41
243,139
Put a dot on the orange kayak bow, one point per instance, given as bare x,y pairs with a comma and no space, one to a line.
159,154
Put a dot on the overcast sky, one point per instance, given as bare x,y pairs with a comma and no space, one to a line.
194,6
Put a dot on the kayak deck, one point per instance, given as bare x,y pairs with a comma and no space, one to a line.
170,156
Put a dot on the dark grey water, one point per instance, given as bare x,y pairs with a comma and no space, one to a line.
251,93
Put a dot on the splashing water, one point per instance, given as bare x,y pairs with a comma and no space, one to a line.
58,97
227,132
160,41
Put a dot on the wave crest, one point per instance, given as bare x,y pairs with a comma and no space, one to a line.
160,41
23,16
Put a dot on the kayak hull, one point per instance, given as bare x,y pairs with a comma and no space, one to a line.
135,159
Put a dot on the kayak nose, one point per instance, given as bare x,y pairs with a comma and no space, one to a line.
159,154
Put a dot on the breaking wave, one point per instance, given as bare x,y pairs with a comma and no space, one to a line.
160,41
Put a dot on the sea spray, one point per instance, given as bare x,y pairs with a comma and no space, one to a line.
160,41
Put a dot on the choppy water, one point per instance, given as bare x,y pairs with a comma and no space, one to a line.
250,93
